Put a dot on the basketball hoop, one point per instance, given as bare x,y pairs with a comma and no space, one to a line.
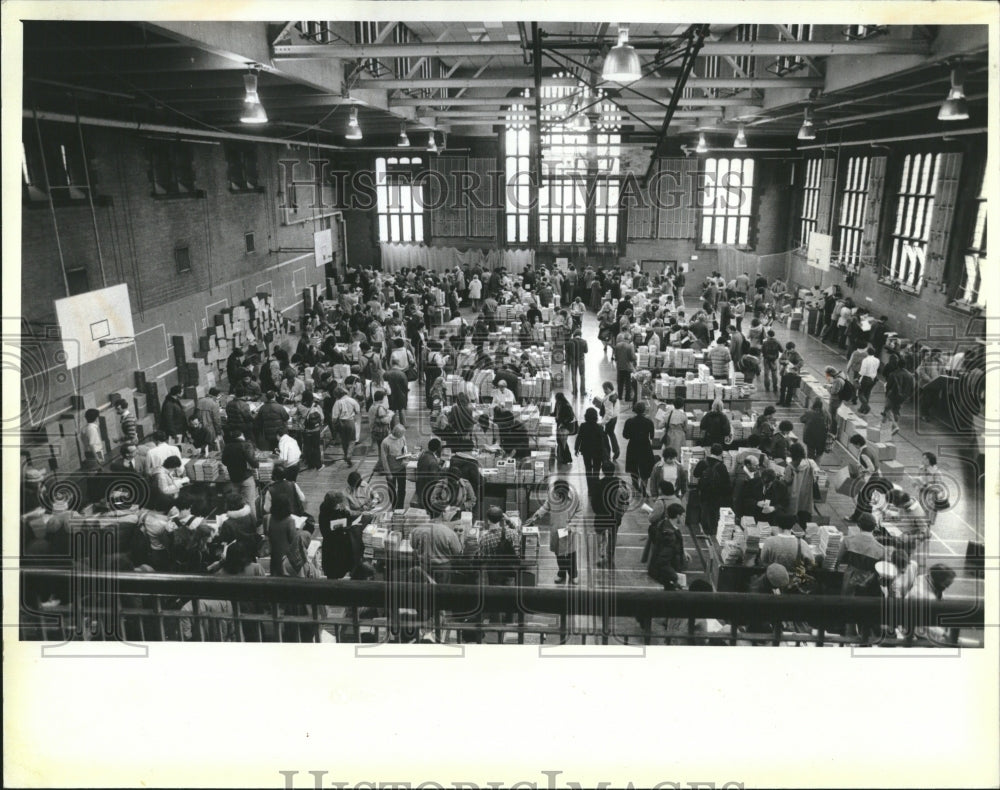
115,341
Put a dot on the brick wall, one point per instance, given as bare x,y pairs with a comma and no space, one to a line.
137,234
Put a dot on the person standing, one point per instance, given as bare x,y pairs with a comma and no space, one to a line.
312,428
719,358
715,426
173,419
126,423
669,470
592,443
790,365
561,507
609,417
399,393
714,488
271,417
932,492
639,460
625,364
675,425
899,388
566,426
207,410
92,439
238,415
841,391
800,476
240,459
816,429
428,471
869,373
288,453
394,457
770,351
667,555
576,359
608,500
475,292
343,416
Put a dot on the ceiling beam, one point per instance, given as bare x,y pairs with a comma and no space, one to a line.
646,112
384,33
488,49
695,43
758,83
806,58
503,101
443,49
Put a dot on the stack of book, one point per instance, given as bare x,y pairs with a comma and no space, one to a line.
830,539
726,528
203,469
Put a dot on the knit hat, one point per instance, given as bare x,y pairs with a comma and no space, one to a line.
777,575
33,475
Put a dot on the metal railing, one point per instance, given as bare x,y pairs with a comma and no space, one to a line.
62,605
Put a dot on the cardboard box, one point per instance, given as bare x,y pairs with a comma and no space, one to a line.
886,451
891,469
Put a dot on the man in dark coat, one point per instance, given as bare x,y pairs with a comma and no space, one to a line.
173,418
270,417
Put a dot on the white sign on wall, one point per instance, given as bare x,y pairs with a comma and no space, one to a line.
818,252
323,243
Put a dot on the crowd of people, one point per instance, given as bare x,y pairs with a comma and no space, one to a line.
364,352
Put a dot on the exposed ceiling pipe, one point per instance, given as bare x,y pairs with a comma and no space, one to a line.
899,139
835,122
134,126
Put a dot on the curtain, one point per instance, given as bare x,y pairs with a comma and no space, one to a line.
438,259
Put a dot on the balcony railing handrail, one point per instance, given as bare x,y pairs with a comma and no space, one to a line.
639,603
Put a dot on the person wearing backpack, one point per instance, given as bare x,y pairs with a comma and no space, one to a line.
841,390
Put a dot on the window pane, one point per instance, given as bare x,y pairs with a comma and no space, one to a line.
744,232
407,226
383,228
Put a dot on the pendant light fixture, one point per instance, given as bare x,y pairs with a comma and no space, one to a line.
404,141
253,110
807,131
432,146
353,127
702,146
581,123
955,107
741,138
622,63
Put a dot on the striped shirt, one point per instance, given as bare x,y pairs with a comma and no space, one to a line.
129,429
